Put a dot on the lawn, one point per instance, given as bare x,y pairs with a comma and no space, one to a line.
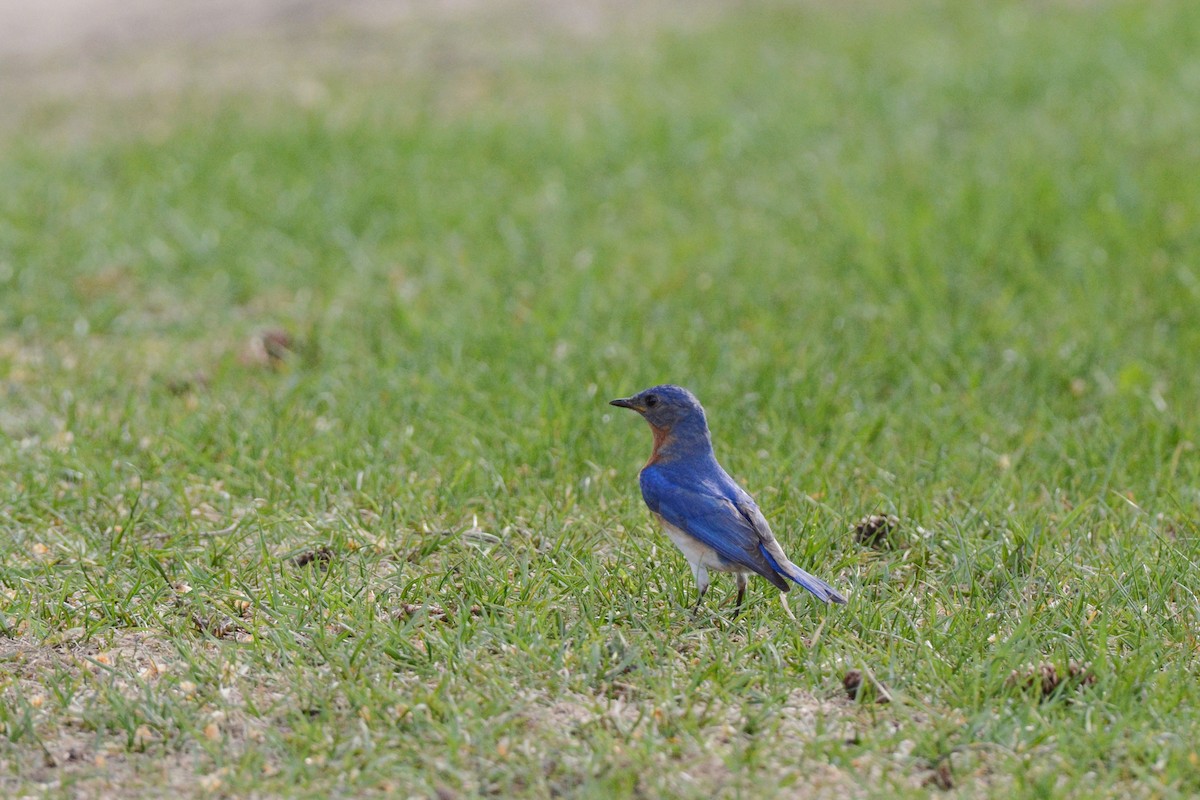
309,482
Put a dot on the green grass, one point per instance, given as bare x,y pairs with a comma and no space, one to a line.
937,260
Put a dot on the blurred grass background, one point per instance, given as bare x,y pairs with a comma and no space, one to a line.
937,260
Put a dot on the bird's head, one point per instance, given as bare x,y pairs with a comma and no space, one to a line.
666,407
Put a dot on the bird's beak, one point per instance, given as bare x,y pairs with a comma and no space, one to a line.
623,402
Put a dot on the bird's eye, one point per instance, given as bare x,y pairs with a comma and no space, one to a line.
651,401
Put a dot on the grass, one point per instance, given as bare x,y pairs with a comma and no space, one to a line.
935,260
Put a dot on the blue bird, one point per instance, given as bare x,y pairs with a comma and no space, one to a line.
716,524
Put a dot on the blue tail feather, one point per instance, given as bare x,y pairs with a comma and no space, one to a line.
822,590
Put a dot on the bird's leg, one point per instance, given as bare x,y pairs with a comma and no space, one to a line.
741,595
702,584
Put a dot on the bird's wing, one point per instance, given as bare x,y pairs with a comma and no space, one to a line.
710,518
749,509
769,546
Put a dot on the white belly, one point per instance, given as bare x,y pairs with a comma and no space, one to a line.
698,554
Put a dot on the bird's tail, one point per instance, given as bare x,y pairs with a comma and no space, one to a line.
822,590
814,584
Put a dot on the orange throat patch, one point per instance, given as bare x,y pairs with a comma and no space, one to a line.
660,436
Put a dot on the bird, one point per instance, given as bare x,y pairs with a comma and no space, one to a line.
708,516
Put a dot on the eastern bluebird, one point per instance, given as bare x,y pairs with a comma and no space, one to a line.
708,516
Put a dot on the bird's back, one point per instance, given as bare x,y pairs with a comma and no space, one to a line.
697,497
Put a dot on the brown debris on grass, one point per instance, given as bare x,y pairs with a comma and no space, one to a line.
321,557
432,611
182,385
875,530
1045,679
220,626
269,348
864,688
941,777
